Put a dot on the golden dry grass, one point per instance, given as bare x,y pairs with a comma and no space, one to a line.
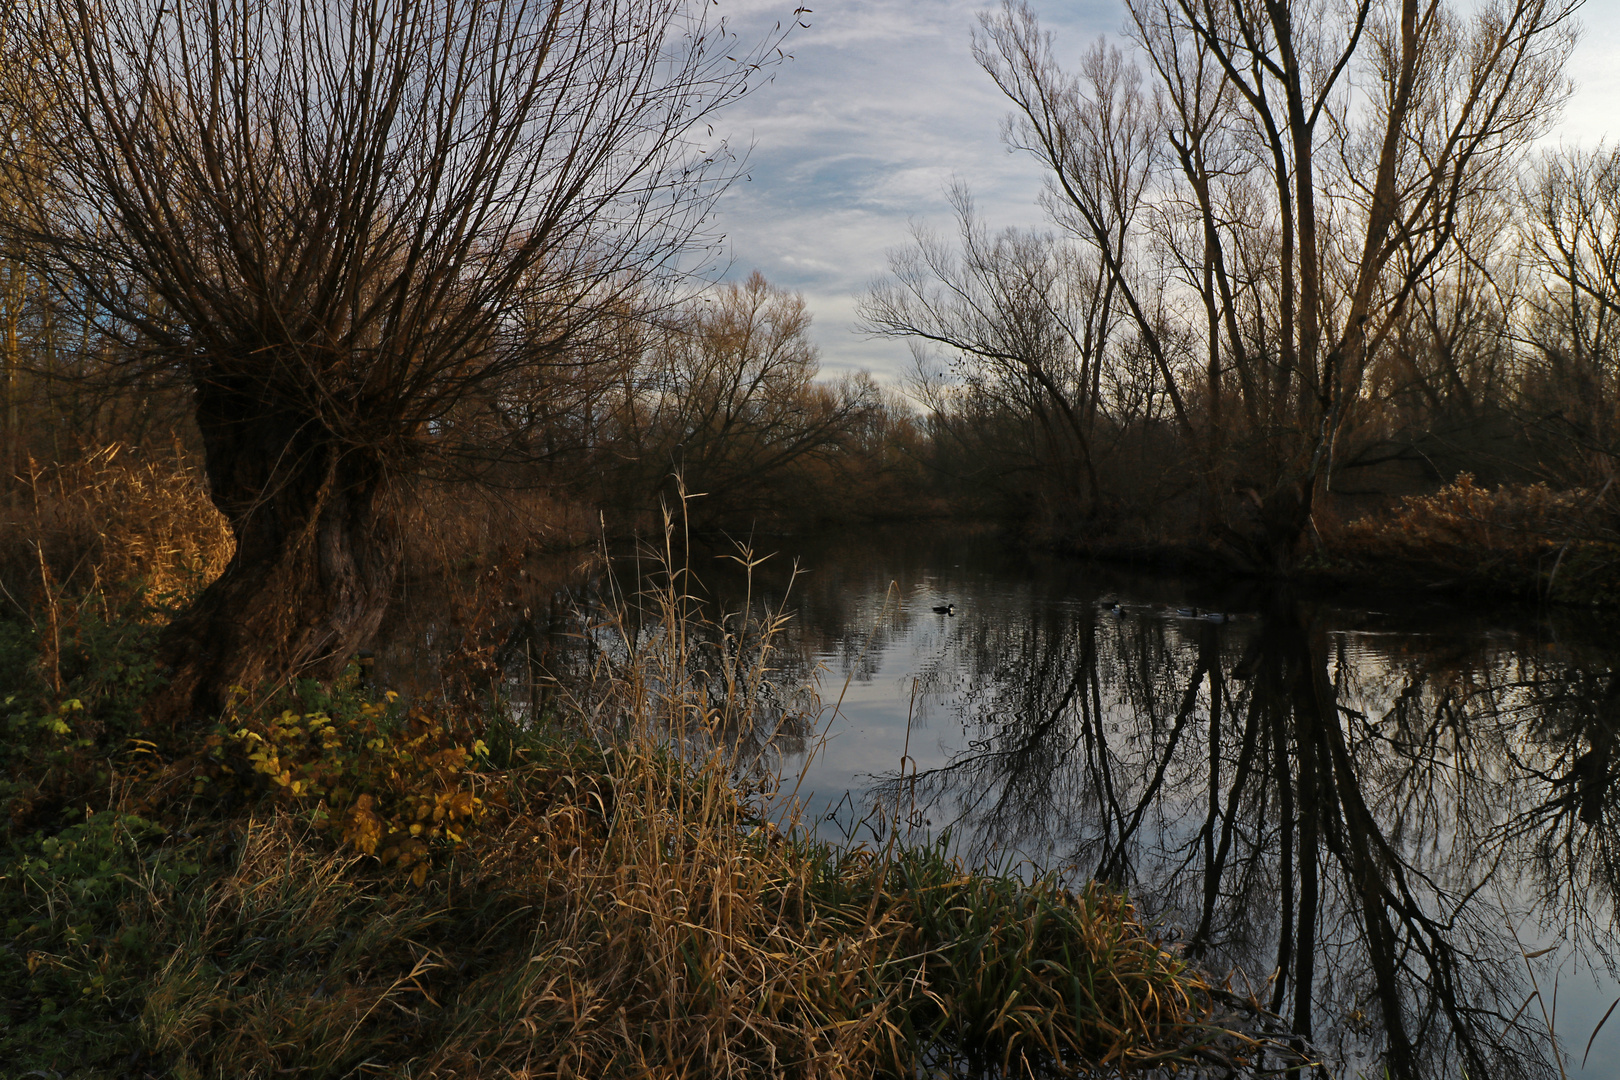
111,522
450,528
622,903
1526,539
1512,519
119,519
630,923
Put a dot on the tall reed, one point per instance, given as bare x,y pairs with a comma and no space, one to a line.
109,522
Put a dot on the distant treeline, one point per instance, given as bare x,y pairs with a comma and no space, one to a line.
1272,298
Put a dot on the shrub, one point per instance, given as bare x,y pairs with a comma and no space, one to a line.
1526,539
70,699
392,782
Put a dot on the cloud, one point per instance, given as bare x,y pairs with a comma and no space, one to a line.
882,107
1589,117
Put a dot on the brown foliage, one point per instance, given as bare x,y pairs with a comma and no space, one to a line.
1526,538
114,521
1513,519
449,528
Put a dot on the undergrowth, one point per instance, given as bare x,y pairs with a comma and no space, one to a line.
1527,540
334,884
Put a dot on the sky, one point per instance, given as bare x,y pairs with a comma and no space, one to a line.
881,107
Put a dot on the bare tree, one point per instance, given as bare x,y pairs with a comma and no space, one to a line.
1303,167
1439,395
352,229
1572,230
1370,185
25,304
1025,321
728,399
1098,134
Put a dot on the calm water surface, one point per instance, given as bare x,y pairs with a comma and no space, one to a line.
1370,814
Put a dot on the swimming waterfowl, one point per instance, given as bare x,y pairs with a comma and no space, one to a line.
945,609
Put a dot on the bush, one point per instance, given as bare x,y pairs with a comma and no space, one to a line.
70,708
394,783
1523,539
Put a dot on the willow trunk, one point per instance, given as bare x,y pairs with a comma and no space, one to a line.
317,552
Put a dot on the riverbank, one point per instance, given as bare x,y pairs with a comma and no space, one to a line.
118,521
328,882
1516,544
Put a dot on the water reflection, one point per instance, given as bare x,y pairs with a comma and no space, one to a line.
1373,818
1373,825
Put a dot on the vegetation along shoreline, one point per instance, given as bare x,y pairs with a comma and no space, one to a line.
305,307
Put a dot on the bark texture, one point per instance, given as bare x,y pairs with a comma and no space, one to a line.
318,550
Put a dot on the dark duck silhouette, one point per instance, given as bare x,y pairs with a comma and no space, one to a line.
944,609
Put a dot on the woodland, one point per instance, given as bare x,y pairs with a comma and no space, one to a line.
299,302
1316,300
346,269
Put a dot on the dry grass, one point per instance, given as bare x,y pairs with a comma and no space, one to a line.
625,918
113,522
1516,520
1526,539
119,521
627,902
450,528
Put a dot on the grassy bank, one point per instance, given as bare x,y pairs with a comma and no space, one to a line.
1527,541
330,883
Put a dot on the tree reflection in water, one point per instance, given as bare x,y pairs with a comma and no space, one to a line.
1373,829
1381,826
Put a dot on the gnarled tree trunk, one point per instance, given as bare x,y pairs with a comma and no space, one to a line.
317,552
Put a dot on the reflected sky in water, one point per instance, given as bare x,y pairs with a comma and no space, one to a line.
1369,807
1390,803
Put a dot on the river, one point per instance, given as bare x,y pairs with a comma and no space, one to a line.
1392,818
